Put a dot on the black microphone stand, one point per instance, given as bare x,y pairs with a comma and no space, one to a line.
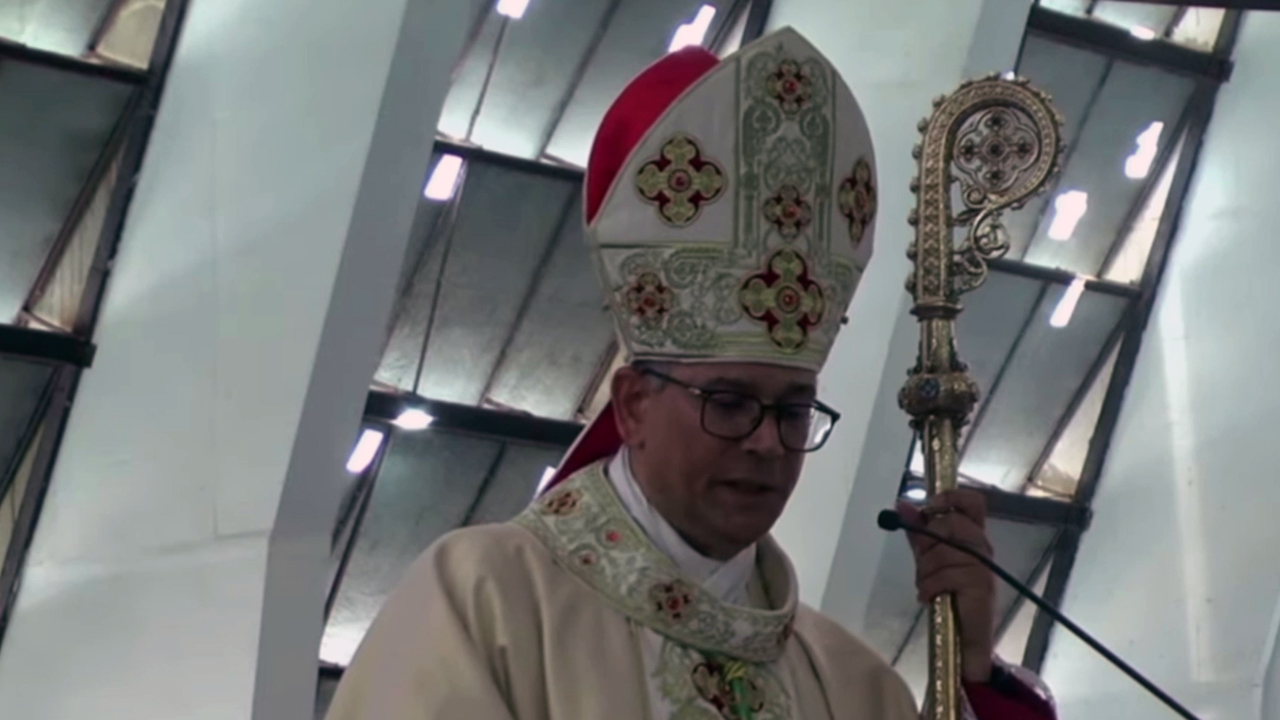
890,520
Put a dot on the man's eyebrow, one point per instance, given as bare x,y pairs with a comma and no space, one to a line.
805,390
726,383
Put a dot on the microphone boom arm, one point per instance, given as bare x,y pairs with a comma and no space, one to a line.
890,520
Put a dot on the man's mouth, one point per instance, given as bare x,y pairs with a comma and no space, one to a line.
751,487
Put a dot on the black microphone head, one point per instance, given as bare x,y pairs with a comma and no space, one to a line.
889,520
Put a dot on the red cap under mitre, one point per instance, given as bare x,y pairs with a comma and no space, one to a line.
626,123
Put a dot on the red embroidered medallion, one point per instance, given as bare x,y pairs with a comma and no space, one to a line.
681,181
562,503
672,599
857,200
790,86
649,299
788,211
785,299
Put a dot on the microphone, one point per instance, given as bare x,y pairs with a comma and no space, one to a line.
890,520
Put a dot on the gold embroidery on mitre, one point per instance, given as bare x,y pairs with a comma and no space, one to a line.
649,299
785,298
788,212
680,181
791,86
857,199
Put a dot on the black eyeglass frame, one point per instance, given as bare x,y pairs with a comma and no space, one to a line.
704,394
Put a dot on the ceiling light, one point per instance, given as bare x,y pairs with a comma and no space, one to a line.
546,480
916,493
1067,305
693,32
1010,75
1068,208
444,179
366,449
1138,164
513,9
1142,33
413,419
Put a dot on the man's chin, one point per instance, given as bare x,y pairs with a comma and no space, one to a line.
750,530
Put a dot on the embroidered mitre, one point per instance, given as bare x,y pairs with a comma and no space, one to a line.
737,227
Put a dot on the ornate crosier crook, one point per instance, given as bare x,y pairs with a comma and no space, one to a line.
1002,140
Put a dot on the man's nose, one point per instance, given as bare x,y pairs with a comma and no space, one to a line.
765,440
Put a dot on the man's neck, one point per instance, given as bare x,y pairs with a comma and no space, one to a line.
709,549
727,574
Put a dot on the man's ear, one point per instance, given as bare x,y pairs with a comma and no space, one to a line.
629,391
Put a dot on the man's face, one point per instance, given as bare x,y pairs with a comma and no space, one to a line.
721,495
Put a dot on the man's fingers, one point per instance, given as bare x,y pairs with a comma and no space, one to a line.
958,515
961,529
969,581
942,558
912,516
965,501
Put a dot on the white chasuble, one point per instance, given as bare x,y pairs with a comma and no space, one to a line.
571,612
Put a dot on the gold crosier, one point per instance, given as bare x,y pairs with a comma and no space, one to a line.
1000,140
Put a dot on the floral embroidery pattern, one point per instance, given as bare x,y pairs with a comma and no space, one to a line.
562,503
785,298
649,299
672,598
643,583
790,86
727,687
857,200
680,181
788,211
710,686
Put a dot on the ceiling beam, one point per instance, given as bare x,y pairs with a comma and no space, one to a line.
21,53
384,407
131,155
447,227
1149,184
53,423
1118,43
989,393
1227,4
473,153
1060,277
28,344
757,19
567,217
107,159
575,80
1082,391
1016,507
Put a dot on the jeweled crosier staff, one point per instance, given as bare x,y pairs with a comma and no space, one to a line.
1001,141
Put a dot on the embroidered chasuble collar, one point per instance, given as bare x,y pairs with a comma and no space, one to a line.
585,525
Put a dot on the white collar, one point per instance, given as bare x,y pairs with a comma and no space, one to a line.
727,580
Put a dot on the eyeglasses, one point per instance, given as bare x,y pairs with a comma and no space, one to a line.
802,426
